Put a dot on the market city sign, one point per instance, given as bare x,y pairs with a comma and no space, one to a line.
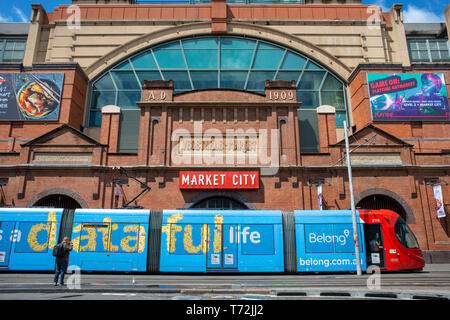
219,180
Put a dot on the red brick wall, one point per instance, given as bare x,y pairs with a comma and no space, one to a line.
361,112
71,111
205,11
276,191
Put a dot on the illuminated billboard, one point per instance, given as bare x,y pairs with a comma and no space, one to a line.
408,97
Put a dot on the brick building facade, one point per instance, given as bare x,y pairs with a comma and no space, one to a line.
289,133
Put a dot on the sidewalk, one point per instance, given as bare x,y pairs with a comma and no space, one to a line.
437,267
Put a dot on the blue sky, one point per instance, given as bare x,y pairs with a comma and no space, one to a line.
414,10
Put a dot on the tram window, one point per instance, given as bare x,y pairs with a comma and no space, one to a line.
125,238
31,237
405,235
108,237
257,239
89,234
319,238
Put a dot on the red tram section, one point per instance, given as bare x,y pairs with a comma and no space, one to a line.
389,242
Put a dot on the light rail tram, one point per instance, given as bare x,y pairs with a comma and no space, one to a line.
206,241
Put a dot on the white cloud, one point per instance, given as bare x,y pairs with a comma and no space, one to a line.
20,14
381,4
415,14
4,18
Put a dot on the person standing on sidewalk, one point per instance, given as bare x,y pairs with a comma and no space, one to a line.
61,252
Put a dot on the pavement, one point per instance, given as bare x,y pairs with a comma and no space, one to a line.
437,267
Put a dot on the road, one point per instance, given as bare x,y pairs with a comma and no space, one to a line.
431,283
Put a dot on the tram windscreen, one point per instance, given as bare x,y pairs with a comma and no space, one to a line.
405,235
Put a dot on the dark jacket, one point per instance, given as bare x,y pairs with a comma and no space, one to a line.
67,248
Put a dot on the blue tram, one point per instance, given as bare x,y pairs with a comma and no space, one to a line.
204,241
27,237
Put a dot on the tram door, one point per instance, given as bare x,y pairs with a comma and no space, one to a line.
6,239
222,254
374,245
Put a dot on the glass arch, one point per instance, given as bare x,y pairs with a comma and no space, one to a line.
209,62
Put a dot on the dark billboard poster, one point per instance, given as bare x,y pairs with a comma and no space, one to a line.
408,97
30,96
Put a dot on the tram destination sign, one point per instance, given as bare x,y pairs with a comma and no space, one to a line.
408,97
219,180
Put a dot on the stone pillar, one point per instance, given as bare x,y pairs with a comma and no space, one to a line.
283,95
447,19
399,35
281,91
157,91
38,18
218,16
327,127
153,122
109,132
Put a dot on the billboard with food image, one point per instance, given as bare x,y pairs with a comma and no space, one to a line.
30,96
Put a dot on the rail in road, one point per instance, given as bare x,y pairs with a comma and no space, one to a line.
420,285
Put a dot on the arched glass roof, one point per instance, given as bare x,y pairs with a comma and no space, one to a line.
216,62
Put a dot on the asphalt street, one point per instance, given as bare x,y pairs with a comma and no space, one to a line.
433,282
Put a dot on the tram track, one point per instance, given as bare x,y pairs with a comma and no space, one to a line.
132,286
235,283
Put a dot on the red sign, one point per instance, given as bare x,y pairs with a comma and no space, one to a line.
219,180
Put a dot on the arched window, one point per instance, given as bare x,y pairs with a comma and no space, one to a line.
58,201
378,201
206,62
221,203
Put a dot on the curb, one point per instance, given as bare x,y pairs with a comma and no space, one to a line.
94,290
361,294
307,293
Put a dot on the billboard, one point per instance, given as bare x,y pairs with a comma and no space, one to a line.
408,97
30,96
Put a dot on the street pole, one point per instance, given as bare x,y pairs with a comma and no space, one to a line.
352,203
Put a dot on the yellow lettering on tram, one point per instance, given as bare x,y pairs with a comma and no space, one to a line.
139,238
53,228
113,248
32,237
91,236
106,235
188,242
170,229
49,227
218,227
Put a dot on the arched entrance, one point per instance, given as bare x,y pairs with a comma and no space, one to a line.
378,198
57,201
222,203
378,201
58,198
219,199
